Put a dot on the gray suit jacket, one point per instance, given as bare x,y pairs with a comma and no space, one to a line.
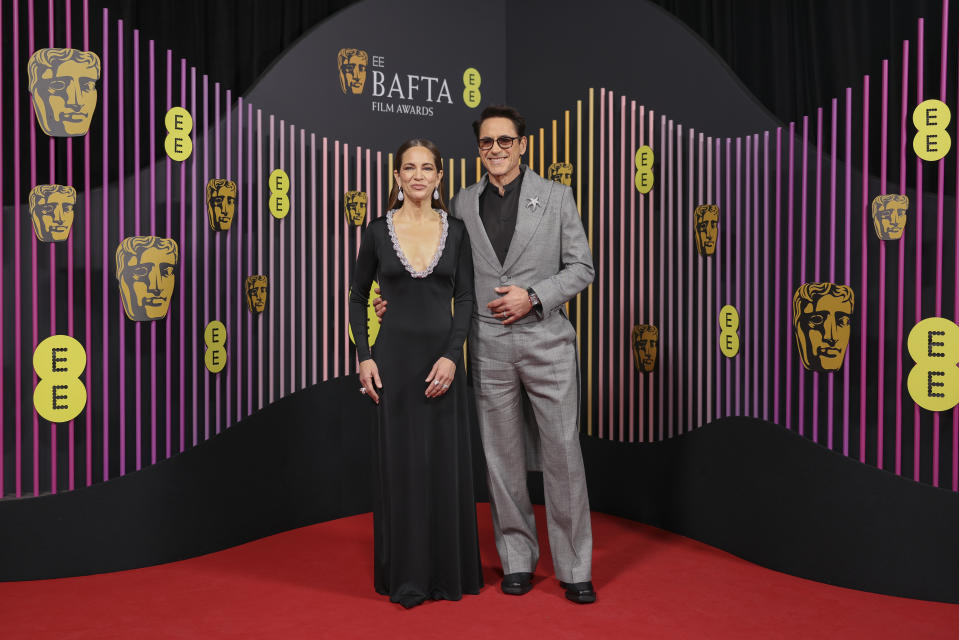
549,251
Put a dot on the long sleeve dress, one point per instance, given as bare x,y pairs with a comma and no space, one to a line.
424,510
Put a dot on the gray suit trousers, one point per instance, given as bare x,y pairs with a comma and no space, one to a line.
539,357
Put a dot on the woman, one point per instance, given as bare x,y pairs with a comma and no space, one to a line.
424,513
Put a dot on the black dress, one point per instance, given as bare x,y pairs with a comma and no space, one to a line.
424,510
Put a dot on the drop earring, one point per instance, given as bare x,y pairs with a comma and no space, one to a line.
436,193
399,196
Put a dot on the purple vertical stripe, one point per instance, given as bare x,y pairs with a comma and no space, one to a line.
183,236
880,370
167,365
153,341
344,283
88,288
228,268
34,291
632,276
920,55
17,278
803,276
326,261
216,248
670,297
621,346
745,310
249,248
766,312
199,219
242,262
643,291
104,226
777,290
289,260
939,228
847,273
303,268
649,271
138,349
900,293
314,229
737,381
336,258
195,235
817,261
754,312
659,316
955,311
863,281
790,284
121,209
832,255
281,268
702,393
725,298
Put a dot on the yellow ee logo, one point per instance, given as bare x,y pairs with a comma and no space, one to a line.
729,331
215,338
934,382
58,361
372,321
179,124
644,169
279,184
932,141
471,83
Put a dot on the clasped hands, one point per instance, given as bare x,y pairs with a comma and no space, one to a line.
437,382
512,304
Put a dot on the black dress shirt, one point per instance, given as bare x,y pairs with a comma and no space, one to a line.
498,213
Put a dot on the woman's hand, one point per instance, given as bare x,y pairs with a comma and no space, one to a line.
370,375
440,378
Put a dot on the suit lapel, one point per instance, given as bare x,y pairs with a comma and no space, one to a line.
479,241
532,204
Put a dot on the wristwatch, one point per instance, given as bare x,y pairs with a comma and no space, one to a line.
534,299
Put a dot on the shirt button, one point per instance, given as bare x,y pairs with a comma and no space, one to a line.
504,278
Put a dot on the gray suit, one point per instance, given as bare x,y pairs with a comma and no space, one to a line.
532,362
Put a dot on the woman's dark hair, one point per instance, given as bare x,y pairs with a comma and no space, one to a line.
501,111
398,162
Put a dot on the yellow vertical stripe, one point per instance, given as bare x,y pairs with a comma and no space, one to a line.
589,298
566,135
479,169
532,152
389,171
450,179
542,150
554,141
579,204
462,173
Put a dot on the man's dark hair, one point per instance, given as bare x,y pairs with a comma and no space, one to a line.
501,111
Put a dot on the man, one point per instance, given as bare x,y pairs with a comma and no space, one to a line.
530,256
221,203
146,271
63,85
51,207
822,316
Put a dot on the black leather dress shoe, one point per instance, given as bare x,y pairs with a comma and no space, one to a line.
579,592
516,584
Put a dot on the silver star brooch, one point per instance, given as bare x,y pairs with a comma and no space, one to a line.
532,203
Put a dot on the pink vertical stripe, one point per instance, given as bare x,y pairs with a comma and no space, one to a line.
104,226
282,262
671,297
314,231
790,283
600,339
183,236
621,341
206,248
303,262
215,313
336,258
955,311
803,275
659,316
817,261
228,268
901,276
847,273
863,303
754,359
344,284
880,369
290,262
744,214
88,288
193,250
17,287
830,390
241,268
121,209
250,270
643,291
778,300
138,349
326,262
633,249
920,52
765,312
34,291
737,299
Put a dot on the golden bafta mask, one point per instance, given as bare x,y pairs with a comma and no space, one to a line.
889,215
256,288
706,228
221,203
354,206
146,271
63,85
352,65
822,317
645,341
51,207
561,172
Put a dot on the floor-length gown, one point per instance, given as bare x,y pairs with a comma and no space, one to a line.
424,511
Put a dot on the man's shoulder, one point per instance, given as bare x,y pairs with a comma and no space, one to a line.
462,196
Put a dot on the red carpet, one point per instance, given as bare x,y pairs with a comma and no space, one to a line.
316,582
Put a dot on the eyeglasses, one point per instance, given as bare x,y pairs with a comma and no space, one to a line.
504,142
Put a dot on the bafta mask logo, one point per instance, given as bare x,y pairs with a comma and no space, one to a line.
221,203
51,207
706,228
352,65
889,215
645,341
561,172
256,289
63,84
822,316
354,206
146,271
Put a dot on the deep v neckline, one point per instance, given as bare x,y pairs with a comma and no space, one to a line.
444,229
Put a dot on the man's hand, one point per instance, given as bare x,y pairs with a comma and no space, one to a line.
379,304
369,376
512,304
